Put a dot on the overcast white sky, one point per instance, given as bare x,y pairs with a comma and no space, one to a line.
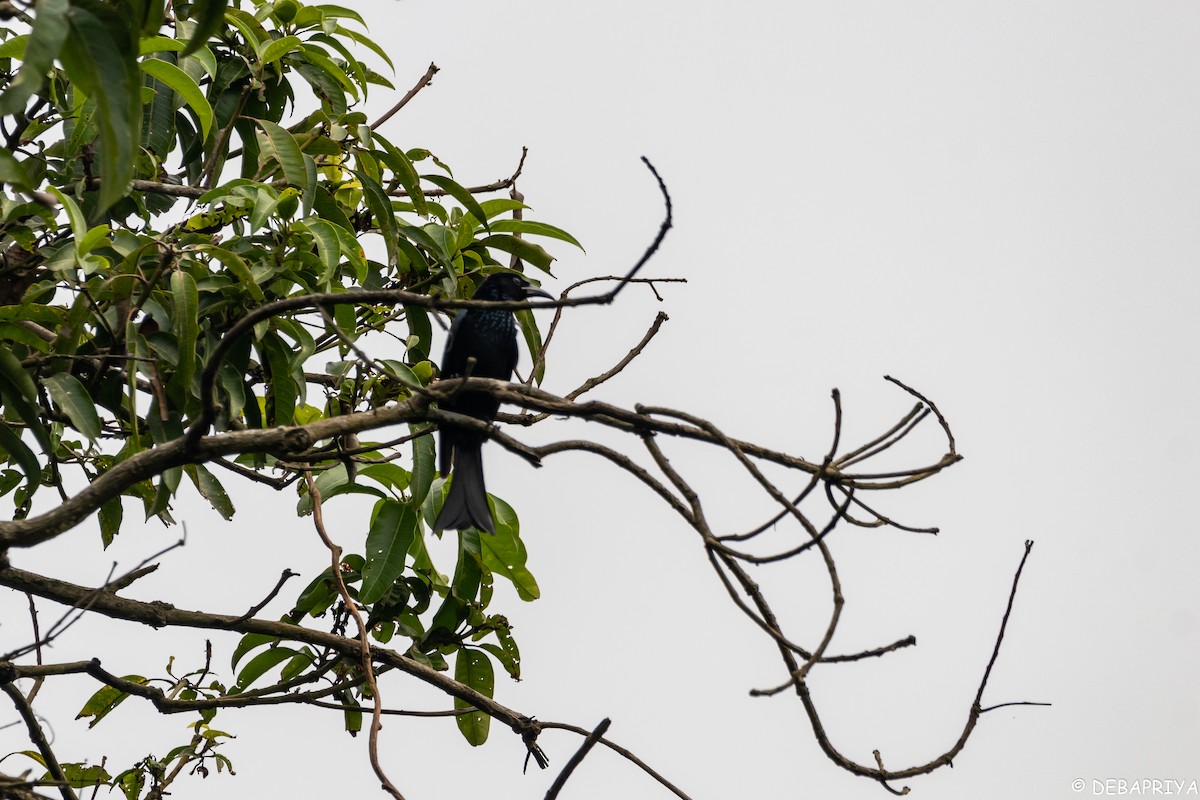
995,202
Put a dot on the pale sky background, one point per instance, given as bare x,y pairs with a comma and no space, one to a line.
995,202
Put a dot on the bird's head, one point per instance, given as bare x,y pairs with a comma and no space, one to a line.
508,286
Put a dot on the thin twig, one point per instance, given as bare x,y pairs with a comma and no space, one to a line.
368,663
577,758
623,752
420,84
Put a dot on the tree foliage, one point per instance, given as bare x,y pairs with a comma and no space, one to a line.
216,268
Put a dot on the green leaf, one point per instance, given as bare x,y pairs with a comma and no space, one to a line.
13,172
186,329
522,249
104,701
278,49
185,87
208,16
49,32
281,145
381,209
282,392
99,58
18,451
392,532
534,228
70,395
506,652
250,641
78,222
110,515
19,393
210,489
504,554
237,266
533,339
328,245
474,668
405,172
464,589
452,188
256,667
317,58
423,471
159,44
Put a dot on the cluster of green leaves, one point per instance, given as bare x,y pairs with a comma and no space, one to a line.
153,190
155,773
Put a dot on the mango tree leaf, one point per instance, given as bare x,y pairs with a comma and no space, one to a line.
75,215
259,665
99,58
278,49
182,84
452,188
104,701
423,471
18,451
20,394
282,146
474,668
282,392
534,228
70,395
522,249
392,532
210,489
186,329
464,588
504,553
110,515
250,641
208,16
50,30
506,652
381,208
12,171
237,266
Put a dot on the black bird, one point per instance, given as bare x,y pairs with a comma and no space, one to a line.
490,337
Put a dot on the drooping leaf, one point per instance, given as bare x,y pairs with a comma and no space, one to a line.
259,665
208,16
70,395
392,532
186,329
210,489
100,704
424,470
525,250
281,145
99,58
279,48
185,87
526,226
504,553
50,30
452,188
19,394
474,668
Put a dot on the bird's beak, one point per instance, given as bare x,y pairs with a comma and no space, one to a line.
531,291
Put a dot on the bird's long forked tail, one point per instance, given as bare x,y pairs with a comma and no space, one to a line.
466,504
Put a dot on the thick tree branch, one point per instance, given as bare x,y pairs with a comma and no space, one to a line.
159,614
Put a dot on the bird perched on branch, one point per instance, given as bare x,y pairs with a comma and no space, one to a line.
489,336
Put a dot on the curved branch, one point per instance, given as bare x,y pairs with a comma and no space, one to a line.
159,614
